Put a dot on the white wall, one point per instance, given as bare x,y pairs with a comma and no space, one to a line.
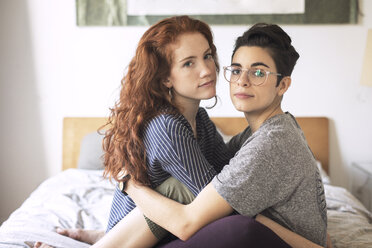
50,68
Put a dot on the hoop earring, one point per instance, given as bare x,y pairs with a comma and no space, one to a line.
170,93
215,103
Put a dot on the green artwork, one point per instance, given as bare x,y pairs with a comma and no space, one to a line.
132,12
101,12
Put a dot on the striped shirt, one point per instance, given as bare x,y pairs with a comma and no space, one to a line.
172,150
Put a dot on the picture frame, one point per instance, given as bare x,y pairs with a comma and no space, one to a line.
216,12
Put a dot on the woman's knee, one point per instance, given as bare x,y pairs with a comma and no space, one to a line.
175,190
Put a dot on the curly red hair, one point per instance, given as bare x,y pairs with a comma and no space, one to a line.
144,96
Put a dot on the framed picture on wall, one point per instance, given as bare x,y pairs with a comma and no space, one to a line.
216,12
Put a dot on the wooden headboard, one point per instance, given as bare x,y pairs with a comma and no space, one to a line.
75,128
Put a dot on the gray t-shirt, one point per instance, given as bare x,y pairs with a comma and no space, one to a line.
275,174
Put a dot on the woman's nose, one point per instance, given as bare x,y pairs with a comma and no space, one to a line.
243,80
207,68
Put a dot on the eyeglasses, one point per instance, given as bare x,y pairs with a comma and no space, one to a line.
255,76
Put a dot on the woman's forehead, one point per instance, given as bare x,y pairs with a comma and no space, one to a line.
189,44
247,56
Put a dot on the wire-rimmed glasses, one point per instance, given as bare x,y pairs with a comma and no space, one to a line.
255,76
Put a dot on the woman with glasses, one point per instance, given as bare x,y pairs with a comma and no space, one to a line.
255,182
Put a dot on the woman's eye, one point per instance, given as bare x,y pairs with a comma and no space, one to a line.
208,56
188,64
235,71
258,73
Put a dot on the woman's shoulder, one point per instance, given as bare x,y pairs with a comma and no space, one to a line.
203,117
282,124
282,133
277,133
165,120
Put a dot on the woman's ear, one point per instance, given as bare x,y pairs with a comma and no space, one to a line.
168,83
284,85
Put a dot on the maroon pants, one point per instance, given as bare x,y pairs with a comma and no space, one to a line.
232,231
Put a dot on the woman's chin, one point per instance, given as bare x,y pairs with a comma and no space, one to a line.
209,96
240,107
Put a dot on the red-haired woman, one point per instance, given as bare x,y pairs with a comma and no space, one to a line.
157,129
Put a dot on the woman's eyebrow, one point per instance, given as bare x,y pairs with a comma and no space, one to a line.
252,65
187,58
192,57
236,64
208,50
259,63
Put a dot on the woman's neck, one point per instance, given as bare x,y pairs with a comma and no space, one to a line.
189,110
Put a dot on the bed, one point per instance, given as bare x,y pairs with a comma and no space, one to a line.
78,197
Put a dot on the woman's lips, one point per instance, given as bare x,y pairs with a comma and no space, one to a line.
243,95
207,84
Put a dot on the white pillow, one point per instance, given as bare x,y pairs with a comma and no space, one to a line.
91,152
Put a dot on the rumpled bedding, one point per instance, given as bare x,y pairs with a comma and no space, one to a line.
78,198
74,198
349,222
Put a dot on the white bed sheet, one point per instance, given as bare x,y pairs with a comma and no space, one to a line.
78,198
349,222
74,198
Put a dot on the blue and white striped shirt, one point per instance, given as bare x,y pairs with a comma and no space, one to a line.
172,150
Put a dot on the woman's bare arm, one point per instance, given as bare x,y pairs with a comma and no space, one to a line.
132,231
184,220
181,220
291,238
